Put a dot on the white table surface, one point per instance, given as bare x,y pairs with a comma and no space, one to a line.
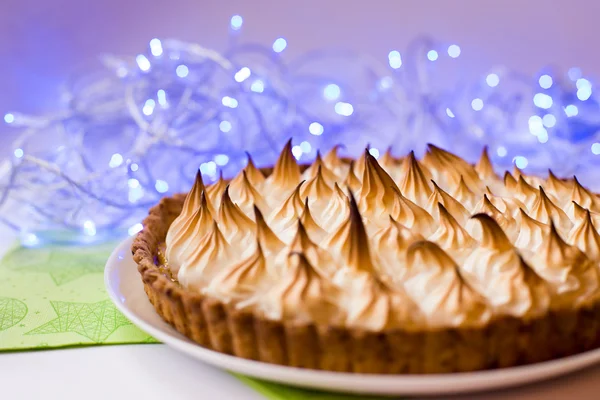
154,371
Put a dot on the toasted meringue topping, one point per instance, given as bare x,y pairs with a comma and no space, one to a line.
336,211
458,211
210,252
505,221
510,183
182,235
415,185
559,188
190,205
289,211
245,195
525,192
583,197
450,235
351,242
451,167
235,224
390,244
352,180
378,189
532,233
286,173
412,216
464,195
215,191
572,276
253,174
325,258
301,294
318,167
313,229
375,306
335,163
266,237
317,189
241,280
544,210
586,237
484,167
437,287
506,281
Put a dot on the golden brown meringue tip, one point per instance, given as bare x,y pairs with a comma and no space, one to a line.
286,169
265,234
509,181
422,252
332,159
484,166
255,176
415,185
317,187
301,240
352,180
492,235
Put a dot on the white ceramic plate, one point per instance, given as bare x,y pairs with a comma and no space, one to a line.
126,290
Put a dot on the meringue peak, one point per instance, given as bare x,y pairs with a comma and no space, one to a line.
509,181
439,196
484,166
415,185
264,234
286,170
493,235
586,237
352,180
318,167
301,240
317,188
234,221
309,223
544,210
411,215
254,175
450,235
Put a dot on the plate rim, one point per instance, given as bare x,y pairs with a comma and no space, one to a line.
379,384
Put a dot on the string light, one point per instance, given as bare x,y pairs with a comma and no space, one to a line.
279,45
454,50
492,80
179,106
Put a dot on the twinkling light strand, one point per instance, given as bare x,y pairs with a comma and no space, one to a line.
140,127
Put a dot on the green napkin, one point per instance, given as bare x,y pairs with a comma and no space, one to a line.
54,296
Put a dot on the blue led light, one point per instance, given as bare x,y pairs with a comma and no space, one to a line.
395,59
545,81
182,70
521,162
477,104
9,118
18,153
142,62
236,22
225,126
315,128
279,45
454,50
156,47
344,109
432,55
332,92
161,186
257,86
542,100
492,80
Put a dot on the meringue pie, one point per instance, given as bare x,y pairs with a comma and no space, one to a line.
402,265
